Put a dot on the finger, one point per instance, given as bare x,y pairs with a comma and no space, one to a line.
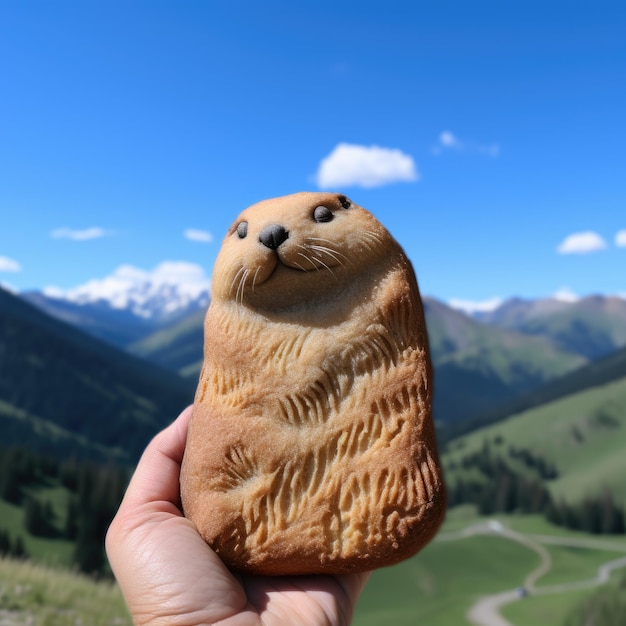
156,478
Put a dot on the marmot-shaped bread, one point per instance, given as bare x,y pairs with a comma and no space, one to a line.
311,448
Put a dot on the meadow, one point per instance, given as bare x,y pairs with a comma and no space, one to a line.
37,595
439,585
467,560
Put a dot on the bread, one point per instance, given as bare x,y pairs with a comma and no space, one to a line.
311,448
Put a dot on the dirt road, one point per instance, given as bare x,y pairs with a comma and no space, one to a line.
486,610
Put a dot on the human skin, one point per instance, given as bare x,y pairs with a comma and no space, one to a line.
170,576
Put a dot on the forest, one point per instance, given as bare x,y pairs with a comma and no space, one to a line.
93,495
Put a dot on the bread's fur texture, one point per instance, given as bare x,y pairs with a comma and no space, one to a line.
311,447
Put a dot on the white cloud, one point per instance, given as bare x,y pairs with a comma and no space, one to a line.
9,265
565,294
95,232
449,141
620,238
202,236
581,243
472,306
365,166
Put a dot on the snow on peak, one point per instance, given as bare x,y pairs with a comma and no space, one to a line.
565,294
170,287
471,307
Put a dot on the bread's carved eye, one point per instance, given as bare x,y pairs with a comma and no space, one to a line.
242,229
345,203
322,214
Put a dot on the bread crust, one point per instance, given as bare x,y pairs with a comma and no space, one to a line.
311,447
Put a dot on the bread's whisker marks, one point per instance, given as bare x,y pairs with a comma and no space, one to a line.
329,253
336,256
324,265
235,279
304,256
328,249
241,287
258,269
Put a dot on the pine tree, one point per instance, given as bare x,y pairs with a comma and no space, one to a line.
5,542
10,489
39,517
18,550
70,529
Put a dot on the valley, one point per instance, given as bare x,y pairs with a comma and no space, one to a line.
517,403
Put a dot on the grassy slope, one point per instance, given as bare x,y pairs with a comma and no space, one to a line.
548,610
177,347
49,551
439,585
34,594
61,388
600,372
583,434
436,587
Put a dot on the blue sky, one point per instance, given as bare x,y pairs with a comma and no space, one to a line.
482,134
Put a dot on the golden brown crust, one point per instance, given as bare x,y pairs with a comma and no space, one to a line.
311,447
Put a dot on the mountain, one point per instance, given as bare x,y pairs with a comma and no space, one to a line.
117,326
64,392
576,424
479,367
591,327
131,303
481,362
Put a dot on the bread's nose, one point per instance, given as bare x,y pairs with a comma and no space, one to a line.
273,235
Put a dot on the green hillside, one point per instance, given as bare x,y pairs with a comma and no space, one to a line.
599,372
64,392
439,585
582,434
177,347
36,594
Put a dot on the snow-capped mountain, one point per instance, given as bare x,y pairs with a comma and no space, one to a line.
168,290
131,302
592,326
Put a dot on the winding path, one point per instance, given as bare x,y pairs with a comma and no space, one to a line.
486,611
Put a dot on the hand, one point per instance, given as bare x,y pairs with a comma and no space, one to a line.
170,576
